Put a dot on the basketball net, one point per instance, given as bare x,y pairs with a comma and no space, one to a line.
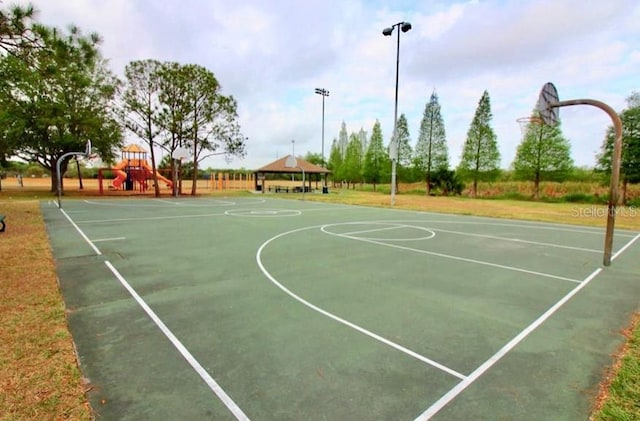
526,122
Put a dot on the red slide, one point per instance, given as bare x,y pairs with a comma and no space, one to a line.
121,176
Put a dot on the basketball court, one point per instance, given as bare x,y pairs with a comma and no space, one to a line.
272,309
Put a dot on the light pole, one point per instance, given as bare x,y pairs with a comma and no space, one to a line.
324,93
293,153
393,148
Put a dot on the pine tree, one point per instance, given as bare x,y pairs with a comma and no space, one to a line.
543,154
362,135
480,155
404,142
630,159
335,162
343,139
353,160
376,160
431,153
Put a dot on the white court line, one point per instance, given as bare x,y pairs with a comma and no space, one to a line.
534,225
463,259
626,246
213,385
149,218
98,252
341,320
394,227
460,387
517,240
167,201
98,240
449,396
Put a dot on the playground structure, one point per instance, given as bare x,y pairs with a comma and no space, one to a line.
132,172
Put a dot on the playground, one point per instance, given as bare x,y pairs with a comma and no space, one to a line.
261,308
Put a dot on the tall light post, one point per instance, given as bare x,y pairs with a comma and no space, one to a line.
324,93
293,153
393,148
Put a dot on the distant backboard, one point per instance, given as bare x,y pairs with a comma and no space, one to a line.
547,104
291,162
393,150
180,153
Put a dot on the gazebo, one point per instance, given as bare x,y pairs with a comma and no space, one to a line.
311,171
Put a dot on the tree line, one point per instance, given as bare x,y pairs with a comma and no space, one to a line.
57,92
544,153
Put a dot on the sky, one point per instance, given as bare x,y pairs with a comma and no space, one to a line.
271,55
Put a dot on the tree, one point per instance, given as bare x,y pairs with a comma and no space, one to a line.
431,153
18,31
376,159
362,135
352,164
181,105
212,119
56,98
404,142
343,139
630,158
141,103
314,158
543,154
18,34
480,155
335,162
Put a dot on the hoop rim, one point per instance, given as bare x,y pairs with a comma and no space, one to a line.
532,120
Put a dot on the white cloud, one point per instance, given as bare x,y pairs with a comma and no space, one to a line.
271,56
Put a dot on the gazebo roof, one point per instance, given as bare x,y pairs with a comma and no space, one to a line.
278,166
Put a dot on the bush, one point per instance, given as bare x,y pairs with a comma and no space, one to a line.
582,198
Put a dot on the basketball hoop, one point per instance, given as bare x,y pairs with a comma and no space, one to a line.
547,104
526,122
180,153
291,162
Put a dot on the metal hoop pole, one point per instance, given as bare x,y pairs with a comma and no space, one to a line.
615,168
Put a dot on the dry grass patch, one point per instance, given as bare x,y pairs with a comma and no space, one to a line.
39,375
567,213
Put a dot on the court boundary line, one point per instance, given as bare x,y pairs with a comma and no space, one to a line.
484,367
82,234
177,344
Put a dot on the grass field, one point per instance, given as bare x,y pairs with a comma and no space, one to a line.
39,376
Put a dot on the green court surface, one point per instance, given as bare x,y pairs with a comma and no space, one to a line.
273,309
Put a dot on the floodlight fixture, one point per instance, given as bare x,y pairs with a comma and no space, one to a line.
324,93
393,147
